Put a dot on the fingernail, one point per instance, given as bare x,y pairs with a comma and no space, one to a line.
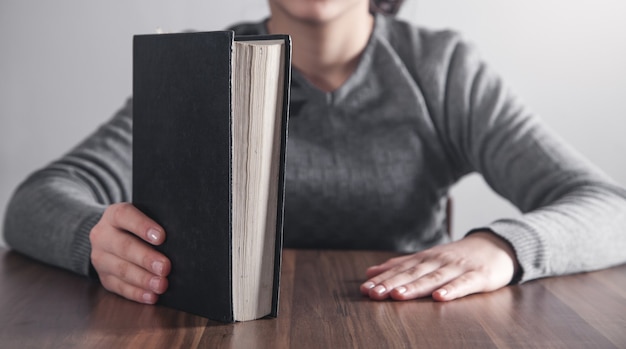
148,298
153,235
441,292
154,283
157,267
401,289
369,285
380,289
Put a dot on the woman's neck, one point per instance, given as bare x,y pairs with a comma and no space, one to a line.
327,52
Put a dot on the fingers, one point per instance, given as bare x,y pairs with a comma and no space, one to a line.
393,262
130,281
396,274
127,217
444,284
450,287
462,286
129,248
417,281
125,263
478,263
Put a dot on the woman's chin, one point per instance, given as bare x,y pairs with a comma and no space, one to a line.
314,11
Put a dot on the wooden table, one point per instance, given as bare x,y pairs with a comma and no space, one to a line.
320,307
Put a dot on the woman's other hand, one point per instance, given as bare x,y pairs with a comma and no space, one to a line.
481,262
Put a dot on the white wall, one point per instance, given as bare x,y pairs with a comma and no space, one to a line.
65,67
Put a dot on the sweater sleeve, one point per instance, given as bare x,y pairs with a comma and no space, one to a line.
573,215
51,213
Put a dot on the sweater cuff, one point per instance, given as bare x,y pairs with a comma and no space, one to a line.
81,246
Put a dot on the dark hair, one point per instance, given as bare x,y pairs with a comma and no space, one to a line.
388,7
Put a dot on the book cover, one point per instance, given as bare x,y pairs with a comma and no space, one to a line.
182,162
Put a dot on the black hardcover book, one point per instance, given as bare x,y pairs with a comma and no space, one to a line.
210,117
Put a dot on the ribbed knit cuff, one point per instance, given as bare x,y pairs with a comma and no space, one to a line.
81,246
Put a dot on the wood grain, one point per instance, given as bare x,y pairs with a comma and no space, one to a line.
320,307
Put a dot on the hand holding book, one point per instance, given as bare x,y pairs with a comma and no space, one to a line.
123,258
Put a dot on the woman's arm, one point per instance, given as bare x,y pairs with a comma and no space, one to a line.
52,212
72,214
573,214
573,218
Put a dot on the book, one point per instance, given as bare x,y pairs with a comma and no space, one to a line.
210,114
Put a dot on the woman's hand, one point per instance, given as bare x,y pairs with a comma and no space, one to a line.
125,263
481,262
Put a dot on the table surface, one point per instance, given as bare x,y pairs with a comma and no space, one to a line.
320,307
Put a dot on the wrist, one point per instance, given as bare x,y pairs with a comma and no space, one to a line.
503,245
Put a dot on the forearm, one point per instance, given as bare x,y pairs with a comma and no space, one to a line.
49,219
582,231
52,212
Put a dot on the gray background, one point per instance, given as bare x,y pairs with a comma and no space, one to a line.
65,67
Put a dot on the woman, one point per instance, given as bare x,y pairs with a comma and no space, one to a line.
385,118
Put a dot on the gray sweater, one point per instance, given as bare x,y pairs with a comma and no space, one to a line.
370,165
